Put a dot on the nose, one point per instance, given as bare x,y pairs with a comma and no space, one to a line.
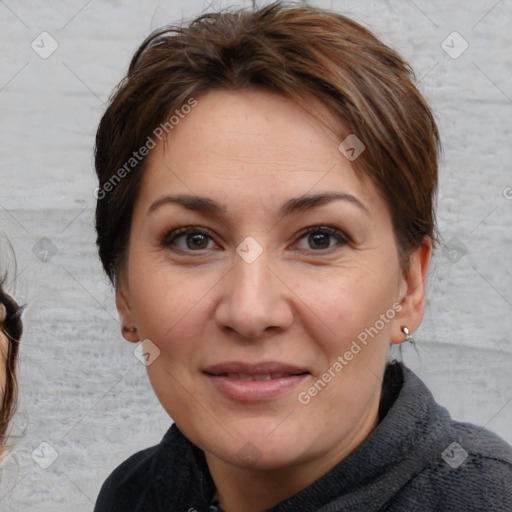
255,299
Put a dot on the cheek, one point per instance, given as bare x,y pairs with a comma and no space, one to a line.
173,308
168,308
347,302
170,311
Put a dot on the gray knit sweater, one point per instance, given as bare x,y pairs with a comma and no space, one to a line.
417,459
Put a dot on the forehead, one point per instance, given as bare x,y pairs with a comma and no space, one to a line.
240,144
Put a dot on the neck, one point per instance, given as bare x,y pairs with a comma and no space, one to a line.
256,490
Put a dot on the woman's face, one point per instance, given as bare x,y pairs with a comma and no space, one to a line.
248,310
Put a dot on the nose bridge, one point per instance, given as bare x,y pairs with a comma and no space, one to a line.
252,299
251,274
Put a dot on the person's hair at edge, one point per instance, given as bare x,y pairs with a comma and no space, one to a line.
301,52
11,329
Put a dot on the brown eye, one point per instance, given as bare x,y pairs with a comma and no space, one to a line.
321,238
189,238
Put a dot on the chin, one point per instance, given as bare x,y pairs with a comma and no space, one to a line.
250,456
260,447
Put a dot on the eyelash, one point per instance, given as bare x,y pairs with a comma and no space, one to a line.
173,235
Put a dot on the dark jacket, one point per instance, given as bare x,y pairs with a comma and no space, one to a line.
417,459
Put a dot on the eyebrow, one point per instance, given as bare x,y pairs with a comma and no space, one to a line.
295,205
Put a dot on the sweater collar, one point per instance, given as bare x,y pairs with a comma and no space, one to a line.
409,431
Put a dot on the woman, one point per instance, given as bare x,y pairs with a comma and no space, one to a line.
10,333
232,148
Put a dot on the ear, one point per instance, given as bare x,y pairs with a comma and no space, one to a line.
125,313
412,292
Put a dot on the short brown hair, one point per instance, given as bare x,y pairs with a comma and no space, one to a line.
301,52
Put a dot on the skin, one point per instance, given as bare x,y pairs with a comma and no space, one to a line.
301,301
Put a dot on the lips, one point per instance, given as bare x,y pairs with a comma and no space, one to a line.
247,382
258,371
254,376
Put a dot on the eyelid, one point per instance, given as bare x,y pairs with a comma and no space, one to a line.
341,236
173,233
332,231
326,228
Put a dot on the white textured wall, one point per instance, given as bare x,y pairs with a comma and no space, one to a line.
82,390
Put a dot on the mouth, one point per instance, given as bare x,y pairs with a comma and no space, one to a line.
254,382
255,376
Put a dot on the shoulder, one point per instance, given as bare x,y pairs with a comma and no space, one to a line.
127,485
471,469
163,477
459,466
480,463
